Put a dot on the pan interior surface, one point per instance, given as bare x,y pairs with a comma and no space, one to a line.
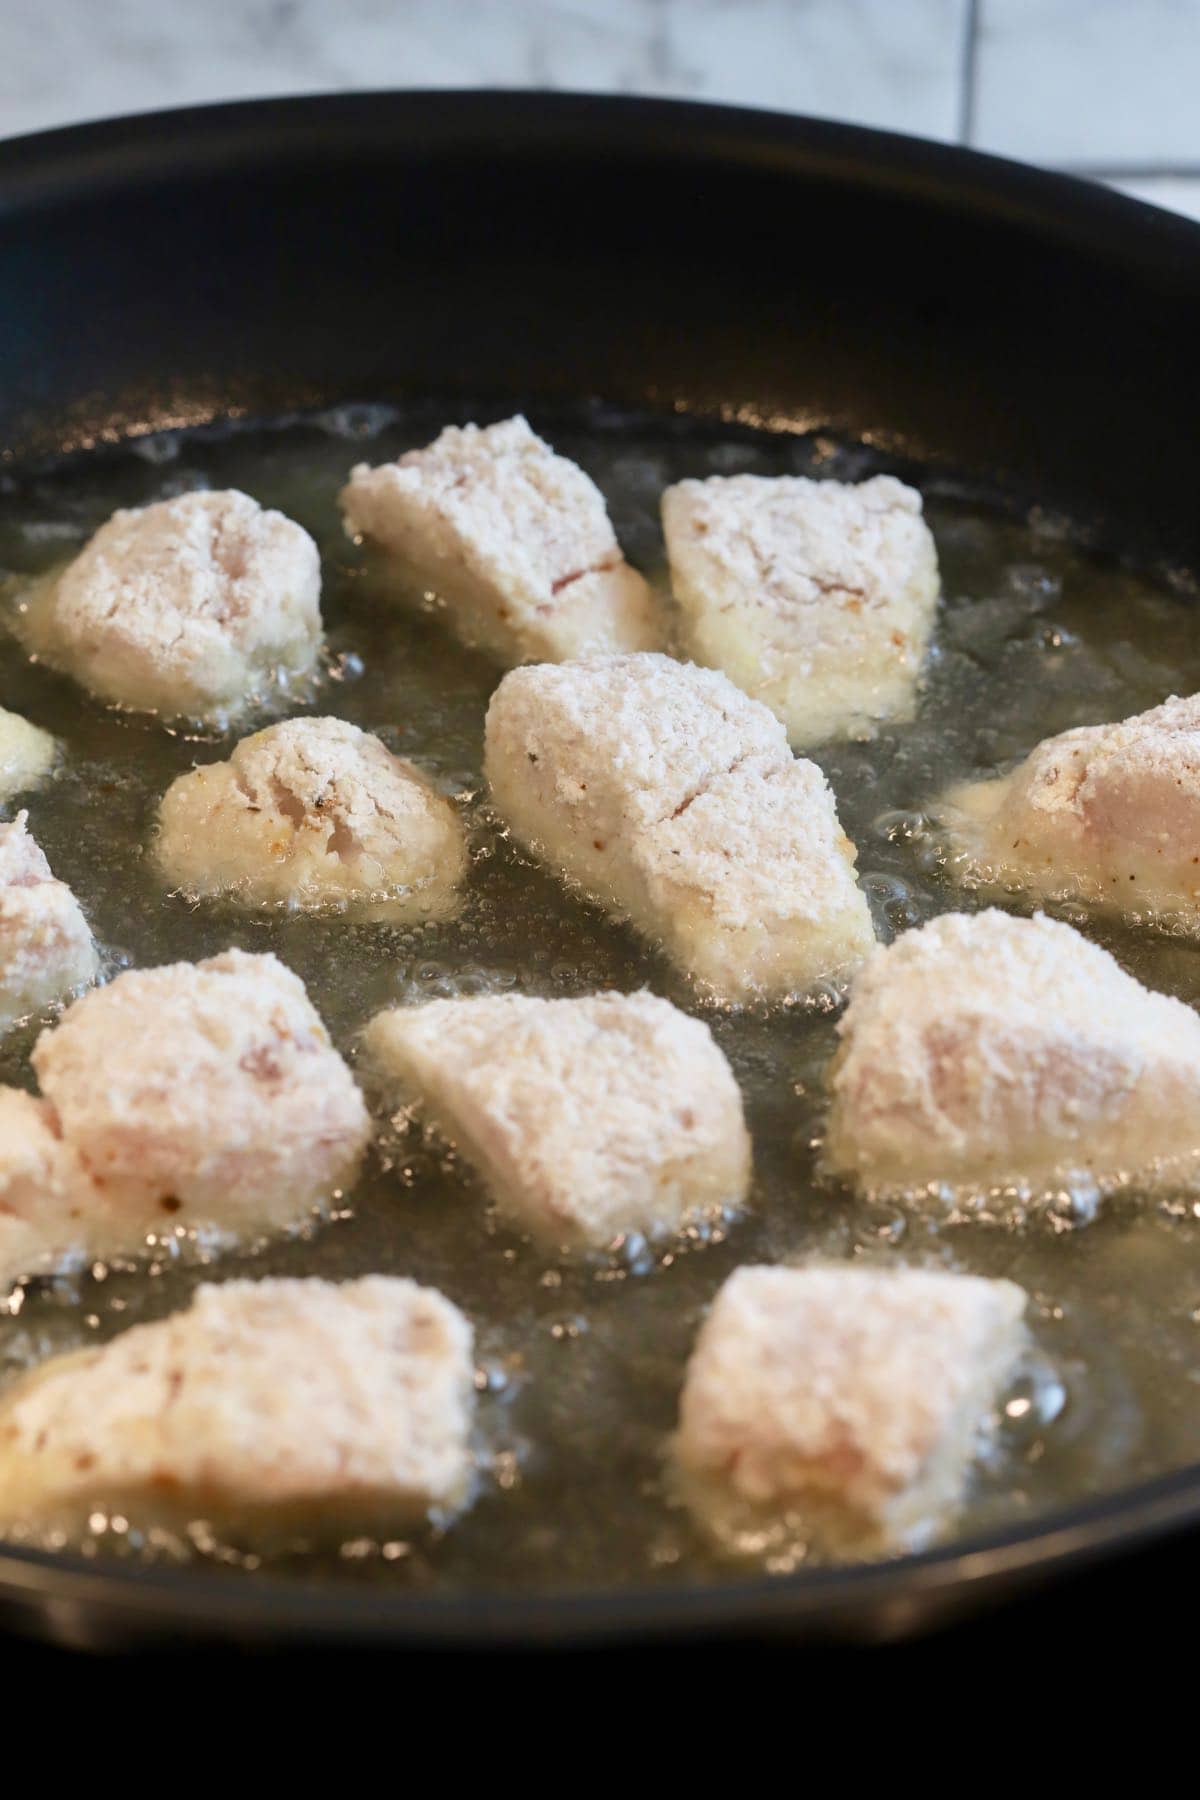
581,1360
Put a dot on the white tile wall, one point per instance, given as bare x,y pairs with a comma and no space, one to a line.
1177,193
892,63
1109,86
1089,81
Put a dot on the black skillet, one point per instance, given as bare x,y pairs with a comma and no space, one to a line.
967,313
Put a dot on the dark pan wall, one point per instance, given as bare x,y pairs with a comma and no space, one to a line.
1005,322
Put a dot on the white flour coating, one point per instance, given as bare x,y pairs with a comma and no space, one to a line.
46,948
313,813
196,607
855,1397
1109,814
672,798
265,1409
986,1049
50,1208
514,541
199,1096
586,1117
27,755
816,597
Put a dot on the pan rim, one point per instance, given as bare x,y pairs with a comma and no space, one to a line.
69,160
875,1600
58,1593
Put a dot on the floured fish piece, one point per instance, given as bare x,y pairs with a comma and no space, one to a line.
200,1096
46,947
983,1050
313,814
1106,814
513,540
197,607
269,1409
587,1118
816,597
672,799
846,1404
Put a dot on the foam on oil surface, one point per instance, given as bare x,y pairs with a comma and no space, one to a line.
580,1363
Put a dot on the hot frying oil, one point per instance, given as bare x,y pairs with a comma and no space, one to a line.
581,1361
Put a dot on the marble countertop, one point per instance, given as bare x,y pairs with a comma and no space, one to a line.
1104,87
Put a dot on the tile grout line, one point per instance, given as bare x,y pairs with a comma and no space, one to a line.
1143,171
968,73
968,91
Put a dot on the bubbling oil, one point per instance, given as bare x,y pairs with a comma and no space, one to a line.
580,1361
